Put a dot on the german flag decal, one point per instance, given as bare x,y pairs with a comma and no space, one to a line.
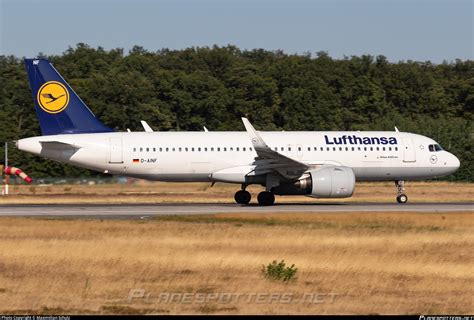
136,160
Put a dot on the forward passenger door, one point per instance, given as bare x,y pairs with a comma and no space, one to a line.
409,154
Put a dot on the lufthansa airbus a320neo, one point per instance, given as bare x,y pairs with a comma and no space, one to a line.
316,164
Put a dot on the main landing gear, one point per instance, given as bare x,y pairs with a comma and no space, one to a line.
401,196
242,196
265,198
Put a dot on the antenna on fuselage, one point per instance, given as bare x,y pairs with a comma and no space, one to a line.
396,129
146,127
205,129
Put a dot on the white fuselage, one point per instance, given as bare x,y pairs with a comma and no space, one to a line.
196,156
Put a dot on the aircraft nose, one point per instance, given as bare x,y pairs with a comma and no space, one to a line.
452,163
455,162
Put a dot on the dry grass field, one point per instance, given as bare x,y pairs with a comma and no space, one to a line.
350,263
159,192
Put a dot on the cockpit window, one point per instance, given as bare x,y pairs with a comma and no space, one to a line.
435,147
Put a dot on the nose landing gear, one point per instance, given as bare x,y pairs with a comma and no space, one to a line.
401,196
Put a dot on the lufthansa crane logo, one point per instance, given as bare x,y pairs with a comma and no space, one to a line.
53,97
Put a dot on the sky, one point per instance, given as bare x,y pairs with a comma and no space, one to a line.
400,30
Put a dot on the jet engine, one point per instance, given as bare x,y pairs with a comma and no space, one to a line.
326,182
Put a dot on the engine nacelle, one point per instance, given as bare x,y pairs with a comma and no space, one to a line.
327,182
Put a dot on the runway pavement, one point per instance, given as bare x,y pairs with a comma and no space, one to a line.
142,210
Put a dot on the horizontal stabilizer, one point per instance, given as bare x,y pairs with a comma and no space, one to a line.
58,145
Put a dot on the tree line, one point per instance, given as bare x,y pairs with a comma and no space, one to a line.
215,86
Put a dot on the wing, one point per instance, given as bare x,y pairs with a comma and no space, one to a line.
270,160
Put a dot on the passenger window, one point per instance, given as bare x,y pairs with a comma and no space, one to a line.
340,148
237,149
167,149
383,148
225,149
327,148
192,149
186,149
389,148
377,148
205,148
199,149
212,148
347,149
174,149
141,149
365,148
134,149
299,148
250,149
179,149
396,148
334,149
353,149
371,149
243,149
154,149
322,149
161,149
231,149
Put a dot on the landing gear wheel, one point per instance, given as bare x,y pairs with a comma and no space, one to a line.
242,197
402,198
266,198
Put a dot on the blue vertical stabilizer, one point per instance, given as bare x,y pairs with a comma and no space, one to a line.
59,108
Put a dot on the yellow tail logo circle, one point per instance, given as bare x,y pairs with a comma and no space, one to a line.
53,97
